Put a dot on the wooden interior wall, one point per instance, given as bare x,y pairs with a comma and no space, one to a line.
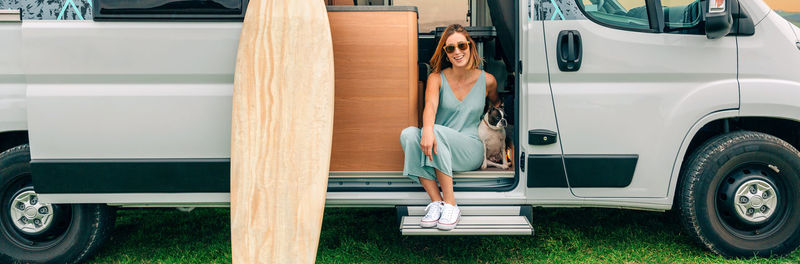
376,95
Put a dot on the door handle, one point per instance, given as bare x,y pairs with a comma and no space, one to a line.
542,137
569,50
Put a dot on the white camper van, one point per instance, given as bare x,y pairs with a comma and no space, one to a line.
687,105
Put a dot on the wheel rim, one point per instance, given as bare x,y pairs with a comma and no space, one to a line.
751,201
29,215
756,201
48,233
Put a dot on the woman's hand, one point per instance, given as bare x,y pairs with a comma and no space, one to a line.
428,142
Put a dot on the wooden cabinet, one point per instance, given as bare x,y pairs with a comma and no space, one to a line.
376,94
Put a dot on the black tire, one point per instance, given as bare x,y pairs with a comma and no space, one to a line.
76,232
735,165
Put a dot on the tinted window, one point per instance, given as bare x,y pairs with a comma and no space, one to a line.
170,9
623,13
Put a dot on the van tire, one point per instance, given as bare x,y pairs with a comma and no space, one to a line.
763,169
74,234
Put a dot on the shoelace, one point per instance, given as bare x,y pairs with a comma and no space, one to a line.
433,205
449,213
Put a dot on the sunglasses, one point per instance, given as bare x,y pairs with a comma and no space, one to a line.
461,45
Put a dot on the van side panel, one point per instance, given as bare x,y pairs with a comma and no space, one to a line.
547,184
769,70
113,90
756,8
12,80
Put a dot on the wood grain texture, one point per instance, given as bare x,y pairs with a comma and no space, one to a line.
281,131
377,94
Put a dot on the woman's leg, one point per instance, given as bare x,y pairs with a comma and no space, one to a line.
431,188
412,166
447,187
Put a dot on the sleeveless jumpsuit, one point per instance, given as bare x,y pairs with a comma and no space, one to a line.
458,147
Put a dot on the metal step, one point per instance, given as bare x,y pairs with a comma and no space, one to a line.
475,220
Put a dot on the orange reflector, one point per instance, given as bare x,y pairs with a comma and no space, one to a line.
716,6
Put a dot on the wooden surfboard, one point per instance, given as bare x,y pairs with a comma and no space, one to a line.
282,124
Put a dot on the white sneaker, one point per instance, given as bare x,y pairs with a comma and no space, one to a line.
450,217
433,212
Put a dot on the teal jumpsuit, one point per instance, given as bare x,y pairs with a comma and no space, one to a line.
458,147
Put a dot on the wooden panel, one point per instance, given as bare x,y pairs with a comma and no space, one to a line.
377,95
282,122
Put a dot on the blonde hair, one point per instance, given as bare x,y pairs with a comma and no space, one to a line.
438,61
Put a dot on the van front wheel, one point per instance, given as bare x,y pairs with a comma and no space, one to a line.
739,195
36,232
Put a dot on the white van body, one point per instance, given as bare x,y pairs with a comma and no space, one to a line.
115,92
105,92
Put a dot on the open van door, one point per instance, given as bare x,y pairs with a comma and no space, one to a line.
540,160
629,79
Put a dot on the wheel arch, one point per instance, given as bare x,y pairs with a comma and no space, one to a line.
13,138
721,122
83,230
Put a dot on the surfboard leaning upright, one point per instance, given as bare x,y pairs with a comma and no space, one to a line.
282,125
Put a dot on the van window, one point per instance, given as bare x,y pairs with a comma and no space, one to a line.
681,14
626,14
170,9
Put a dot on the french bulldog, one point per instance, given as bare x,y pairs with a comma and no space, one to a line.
493,134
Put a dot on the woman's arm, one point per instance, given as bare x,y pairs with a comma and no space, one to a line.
491,90
431,101
428,140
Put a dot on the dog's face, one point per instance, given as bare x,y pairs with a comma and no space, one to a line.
496,117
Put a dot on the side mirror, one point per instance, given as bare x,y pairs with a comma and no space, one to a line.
718,18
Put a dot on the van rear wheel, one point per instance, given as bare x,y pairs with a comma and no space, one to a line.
36,232
739,195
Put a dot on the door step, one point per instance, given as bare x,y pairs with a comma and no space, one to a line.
475,220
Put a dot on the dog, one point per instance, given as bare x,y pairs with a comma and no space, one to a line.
492,131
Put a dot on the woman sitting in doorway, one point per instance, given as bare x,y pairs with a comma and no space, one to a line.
448,141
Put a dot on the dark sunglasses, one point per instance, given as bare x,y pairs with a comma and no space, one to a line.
461,45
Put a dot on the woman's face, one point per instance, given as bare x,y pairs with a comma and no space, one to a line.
457,49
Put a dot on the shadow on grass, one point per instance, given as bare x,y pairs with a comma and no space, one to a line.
351,235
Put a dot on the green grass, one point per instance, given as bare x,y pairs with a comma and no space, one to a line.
796,23
371,236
